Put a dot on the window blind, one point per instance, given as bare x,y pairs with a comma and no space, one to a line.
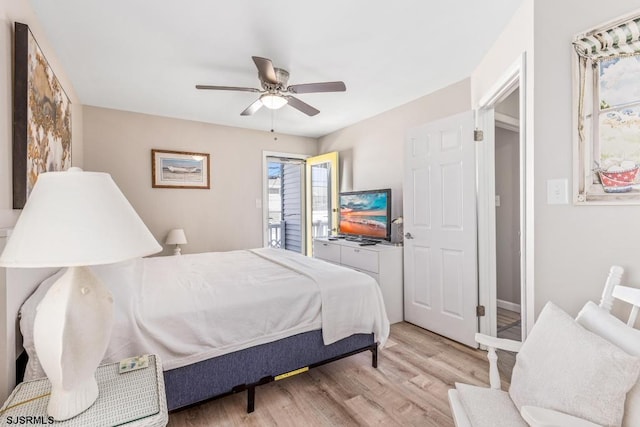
618,40
621,38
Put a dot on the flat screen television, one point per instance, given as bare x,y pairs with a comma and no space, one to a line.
365,214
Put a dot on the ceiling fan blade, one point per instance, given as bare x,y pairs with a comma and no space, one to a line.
302,106
252,108
317,87
265,69
241,89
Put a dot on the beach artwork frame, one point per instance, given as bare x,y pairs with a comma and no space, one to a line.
180,169
606,111
41,117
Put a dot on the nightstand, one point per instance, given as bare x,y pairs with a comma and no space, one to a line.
132,399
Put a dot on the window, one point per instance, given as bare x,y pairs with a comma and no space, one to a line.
608,113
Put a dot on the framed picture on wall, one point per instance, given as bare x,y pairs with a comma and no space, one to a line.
179,169
607,113
41,117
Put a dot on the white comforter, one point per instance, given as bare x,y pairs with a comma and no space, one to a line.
193,307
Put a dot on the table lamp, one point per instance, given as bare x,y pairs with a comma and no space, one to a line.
176,237
75,219
399,221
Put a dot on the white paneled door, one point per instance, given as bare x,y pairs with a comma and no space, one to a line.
440,255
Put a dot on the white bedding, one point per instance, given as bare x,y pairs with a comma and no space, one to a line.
193,307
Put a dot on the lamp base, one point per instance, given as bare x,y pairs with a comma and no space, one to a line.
65,404
71,332
176,250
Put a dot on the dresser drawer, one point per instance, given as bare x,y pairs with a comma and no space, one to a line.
362,259
326,251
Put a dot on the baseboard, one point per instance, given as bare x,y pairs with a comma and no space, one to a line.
508,305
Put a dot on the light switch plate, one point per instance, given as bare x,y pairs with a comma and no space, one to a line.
557,191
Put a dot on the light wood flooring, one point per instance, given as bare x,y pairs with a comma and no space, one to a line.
415,370
509,325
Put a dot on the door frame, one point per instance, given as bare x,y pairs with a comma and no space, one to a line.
265,192
332,158
514,76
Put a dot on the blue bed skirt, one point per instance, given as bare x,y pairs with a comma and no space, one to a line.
244,369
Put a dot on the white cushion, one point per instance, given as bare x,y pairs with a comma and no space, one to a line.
563,366
487,407
609,327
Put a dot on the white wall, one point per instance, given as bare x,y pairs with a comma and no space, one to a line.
372,151
10,298
570,248
224,217
12,11
575,245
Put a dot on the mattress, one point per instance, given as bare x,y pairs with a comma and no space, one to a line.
194,307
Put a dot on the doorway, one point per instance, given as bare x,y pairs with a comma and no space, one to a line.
322,197
299,199
449,207
504,280
285,203
507,179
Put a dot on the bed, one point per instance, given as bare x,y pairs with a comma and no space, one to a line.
225,322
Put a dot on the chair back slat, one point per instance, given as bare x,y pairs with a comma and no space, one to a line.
633,316
613,290
613,280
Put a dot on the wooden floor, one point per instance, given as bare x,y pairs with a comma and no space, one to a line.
415,370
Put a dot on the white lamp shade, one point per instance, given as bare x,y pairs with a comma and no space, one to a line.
273,102
77,218
176,237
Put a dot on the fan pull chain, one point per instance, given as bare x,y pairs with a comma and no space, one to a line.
275,138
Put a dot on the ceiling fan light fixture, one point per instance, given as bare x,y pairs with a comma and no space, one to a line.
273,101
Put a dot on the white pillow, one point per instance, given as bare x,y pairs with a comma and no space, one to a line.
609,327
563,366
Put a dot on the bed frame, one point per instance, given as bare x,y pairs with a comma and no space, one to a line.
246,369
185,386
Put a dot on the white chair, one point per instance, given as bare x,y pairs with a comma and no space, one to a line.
579,353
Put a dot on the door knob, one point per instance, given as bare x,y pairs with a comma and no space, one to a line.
408,236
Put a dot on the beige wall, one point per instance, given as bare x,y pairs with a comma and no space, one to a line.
12,11
570,247
222,218
372,151
575,245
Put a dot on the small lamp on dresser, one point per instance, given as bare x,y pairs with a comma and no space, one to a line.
75,219
176,237
399,222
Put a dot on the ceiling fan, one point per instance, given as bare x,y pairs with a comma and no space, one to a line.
275,92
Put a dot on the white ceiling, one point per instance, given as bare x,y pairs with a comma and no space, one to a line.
147,56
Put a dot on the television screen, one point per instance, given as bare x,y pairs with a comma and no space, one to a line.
366,214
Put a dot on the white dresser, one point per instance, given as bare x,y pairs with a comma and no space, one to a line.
382,262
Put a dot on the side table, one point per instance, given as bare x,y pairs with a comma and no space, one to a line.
132,399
